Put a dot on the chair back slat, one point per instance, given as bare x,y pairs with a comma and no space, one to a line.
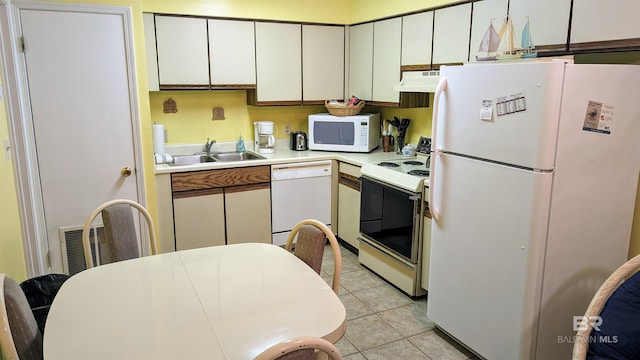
120,231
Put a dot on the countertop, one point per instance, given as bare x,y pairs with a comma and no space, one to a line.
282,155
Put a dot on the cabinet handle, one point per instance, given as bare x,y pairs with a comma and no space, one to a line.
126,171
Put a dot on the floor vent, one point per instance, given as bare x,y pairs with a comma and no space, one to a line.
73,252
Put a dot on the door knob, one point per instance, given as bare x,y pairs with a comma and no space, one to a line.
126,171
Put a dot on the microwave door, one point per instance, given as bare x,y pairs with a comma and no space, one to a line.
334,133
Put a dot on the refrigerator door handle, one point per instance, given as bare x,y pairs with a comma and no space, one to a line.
435,151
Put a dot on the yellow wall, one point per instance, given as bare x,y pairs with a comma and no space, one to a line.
321,11
11,252
366,10
194,108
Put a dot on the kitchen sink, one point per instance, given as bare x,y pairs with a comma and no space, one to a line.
191,159
236,156
199,158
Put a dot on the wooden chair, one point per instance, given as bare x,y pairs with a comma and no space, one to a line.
311,238
300,348
120,231
604,293
20,338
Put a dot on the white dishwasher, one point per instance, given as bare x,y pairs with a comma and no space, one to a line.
299,191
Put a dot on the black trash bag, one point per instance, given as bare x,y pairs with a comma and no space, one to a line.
40,292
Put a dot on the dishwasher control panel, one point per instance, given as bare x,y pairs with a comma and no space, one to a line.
300,170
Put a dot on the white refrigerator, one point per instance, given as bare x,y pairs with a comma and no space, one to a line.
534,175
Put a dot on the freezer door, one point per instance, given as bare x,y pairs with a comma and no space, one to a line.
486,254
507,113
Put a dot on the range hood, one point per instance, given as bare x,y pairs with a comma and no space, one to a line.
418,81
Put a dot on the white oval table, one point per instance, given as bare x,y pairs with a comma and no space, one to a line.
223,302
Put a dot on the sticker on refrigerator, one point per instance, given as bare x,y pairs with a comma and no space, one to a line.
511,104
598,118
486,111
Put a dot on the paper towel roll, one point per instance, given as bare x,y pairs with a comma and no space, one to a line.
158,139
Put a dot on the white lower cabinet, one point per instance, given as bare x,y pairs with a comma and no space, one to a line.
248,214
199,221
349,204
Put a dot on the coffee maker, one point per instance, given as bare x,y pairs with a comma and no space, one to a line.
264,140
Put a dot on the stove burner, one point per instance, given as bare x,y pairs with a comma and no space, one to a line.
418,172
388,164
413,162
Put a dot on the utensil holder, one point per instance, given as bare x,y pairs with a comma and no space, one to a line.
387,145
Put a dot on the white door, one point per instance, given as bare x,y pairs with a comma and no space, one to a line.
487,251
80,90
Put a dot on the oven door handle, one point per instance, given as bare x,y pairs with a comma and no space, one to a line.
435,151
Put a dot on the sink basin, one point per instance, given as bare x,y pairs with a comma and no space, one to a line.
199,158
236,156
191,159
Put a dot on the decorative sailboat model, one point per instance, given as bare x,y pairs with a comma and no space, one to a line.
528,49
488,48
506,48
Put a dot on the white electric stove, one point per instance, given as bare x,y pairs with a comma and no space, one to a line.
391,218
408,173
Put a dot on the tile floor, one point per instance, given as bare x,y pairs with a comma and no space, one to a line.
383,322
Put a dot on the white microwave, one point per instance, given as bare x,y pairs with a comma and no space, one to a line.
356,133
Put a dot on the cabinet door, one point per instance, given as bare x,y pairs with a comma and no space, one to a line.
417,37
248,214
199,221
349,204
322,63
548,21
183,59
451,34
349,215
595,20
150,47
361,61
387,38
426,249
484,13
279,63
232,53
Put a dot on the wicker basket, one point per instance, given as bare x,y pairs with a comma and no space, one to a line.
344,110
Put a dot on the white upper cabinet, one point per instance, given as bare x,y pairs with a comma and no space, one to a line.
417,36
150,47
596,20
387,42
232,53
451,34
183,59
278,62
322,63
484,13
361,61
548,21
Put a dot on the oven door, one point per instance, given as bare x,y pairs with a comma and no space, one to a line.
390,217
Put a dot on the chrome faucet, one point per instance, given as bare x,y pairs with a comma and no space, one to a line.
208,144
